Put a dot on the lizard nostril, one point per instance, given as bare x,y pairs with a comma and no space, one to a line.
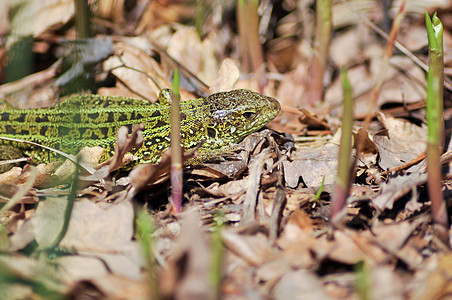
274,104
212,133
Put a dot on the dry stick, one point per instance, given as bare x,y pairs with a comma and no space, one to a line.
189,75
406,108
124,65
446,157
374,97
280,201
256,168
15,161
407,165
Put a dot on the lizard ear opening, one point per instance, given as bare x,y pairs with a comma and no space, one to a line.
212,133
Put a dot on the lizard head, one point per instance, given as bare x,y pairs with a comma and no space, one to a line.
236,114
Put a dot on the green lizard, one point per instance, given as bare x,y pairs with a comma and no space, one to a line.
219,120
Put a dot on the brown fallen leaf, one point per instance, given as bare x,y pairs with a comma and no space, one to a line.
124,144
88,160
311,166
402,142
251,248
135,68
26,187
301,284
186,47
395,188
34,17
187,274
226,77
438,283
351,248
386,284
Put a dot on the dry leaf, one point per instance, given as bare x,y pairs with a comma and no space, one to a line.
195,55
227,76
404,142
311,166
301,284
138,84
34,17
124,144
190,262
396,188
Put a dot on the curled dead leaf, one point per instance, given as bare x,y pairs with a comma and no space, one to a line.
124,144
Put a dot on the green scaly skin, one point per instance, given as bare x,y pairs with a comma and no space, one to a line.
220,120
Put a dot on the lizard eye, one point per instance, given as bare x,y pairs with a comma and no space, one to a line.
248,115
165,97
212,133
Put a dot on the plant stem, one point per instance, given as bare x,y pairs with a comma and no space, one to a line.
435,85
345,170
176,148
82,20
248,23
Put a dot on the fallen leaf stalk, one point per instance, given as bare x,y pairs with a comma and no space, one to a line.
321,50
344,174
176,148
435,84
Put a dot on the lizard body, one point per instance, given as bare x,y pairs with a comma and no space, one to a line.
219,120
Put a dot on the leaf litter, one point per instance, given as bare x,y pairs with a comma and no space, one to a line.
277,241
